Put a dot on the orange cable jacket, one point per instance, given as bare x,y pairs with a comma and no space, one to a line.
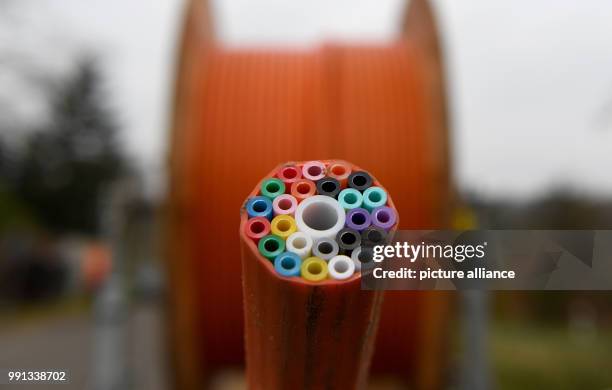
238,113
302,335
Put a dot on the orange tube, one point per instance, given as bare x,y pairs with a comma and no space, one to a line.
303,189
340,171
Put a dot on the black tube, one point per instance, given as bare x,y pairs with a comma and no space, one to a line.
328,186
372,236
365,255
348,239
360,180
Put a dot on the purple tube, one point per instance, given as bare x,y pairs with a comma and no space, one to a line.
383,217
358,219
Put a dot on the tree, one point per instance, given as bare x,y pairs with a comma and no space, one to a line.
69,163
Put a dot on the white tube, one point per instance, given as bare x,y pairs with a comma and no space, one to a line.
355,257
325,248
320,217
341,267
299,243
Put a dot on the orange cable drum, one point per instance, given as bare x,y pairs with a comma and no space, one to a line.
379,107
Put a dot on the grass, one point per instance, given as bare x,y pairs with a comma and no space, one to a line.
31,314
527,357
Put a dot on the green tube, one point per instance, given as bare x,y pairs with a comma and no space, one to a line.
272,188
271,246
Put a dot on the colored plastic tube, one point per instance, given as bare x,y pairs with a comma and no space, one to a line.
314,269
284,204
374,197
373,236
350,198
360,180
325,249
303,189
314,170
259,206
256,228
288,264
340,171
328,186
300,244
289,174
320,216
271,246
358,219
348,239
272,188
341,267
361,255
283,226
384,217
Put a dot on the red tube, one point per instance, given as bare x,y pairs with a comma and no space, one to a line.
256,228
289,174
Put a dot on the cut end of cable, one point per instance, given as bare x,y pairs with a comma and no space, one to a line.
307,214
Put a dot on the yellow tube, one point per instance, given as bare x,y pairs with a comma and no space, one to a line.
314,269
283,226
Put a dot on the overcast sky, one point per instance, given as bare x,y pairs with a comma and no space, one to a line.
530,81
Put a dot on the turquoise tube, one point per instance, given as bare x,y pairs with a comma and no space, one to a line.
374,197
350,198
272,188
288,264
259,206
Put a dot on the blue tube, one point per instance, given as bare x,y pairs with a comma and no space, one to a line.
288,264
374,197
259,206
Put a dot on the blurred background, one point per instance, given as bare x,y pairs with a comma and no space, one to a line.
85,109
